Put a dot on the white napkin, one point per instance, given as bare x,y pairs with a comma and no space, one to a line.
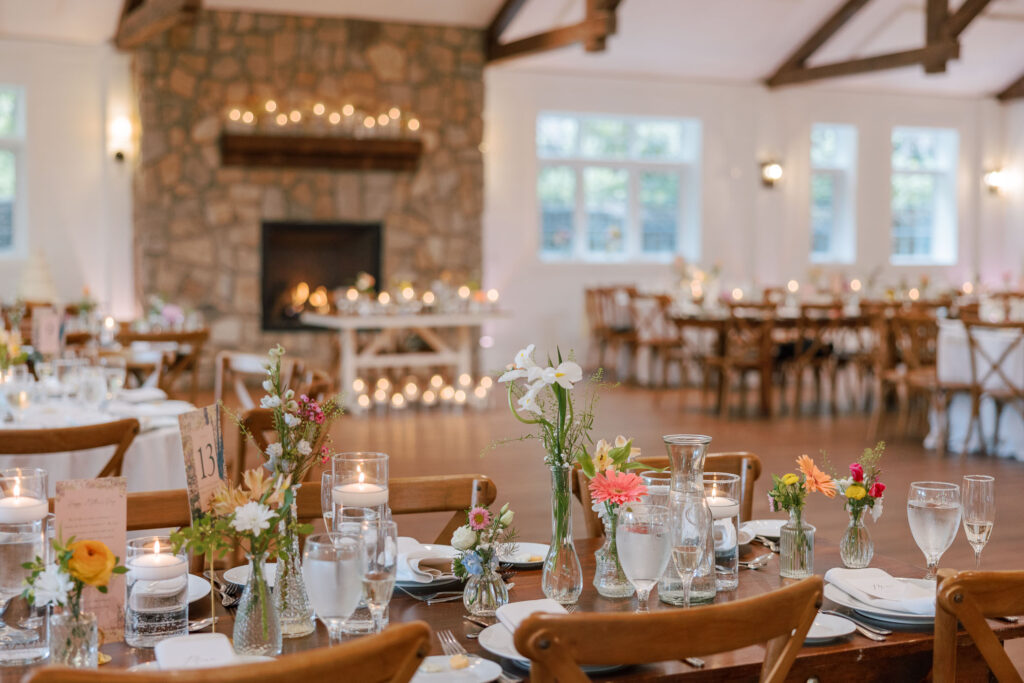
876,588
142,395
421,563
512,614
197,651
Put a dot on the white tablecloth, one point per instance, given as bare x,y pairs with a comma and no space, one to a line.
154,462
954,366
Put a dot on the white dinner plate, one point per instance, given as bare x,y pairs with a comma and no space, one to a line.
239,659
239,575
524,551
837,596
198,588
769,528
497,640
436,669
827,627
744,536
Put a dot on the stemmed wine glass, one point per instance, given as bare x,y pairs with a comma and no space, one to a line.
933,510
690,523
332,568
327,499
379,564
979,511
643,536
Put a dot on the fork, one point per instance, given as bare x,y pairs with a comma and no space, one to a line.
449,645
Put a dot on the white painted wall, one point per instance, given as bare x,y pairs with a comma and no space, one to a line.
760,236
79,198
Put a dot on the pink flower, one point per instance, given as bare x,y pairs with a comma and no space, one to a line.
857,471
617,487
479,518
877,489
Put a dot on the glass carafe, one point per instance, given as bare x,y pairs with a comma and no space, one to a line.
686,453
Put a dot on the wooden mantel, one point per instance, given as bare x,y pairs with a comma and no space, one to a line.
300,151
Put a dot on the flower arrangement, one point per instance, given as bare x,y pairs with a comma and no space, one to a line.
161,312
789,492
77,564
481,539
11,352
863,490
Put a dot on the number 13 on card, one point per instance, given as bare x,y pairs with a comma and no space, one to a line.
204,456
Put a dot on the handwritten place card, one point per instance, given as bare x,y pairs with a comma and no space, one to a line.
97,509
203,447
46,331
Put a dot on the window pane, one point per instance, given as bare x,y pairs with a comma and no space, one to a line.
823,212
7,186
8,112
913,213
606,197
659,210
921,149
658,140
605,138
824,145
556,191
556,135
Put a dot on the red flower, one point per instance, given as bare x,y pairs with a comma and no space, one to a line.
857,471
877,489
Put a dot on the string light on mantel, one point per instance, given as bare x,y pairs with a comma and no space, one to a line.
320,118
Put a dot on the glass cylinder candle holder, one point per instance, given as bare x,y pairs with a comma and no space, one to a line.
722,491
23,629
156,602
23,495
361,480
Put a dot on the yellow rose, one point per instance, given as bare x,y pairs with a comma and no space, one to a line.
790,479
855,492
91,562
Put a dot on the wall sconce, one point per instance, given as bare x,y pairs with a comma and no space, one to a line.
995,180
771,173
120,137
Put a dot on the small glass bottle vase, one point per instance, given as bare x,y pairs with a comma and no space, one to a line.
257,625
485,593
74,641
855,547
796,548
290,596
562,576
609,579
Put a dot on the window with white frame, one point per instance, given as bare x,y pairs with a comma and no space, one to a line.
924,221
11,181
616,188
833,185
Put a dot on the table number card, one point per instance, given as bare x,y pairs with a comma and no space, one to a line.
203,447
46,331
97,510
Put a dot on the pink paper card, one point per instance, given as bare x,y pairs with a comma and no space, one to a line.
203,448
46,331
97,510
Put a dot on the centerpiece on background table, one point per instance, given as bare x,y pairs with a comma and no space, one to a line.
796,538
73,634
302,425
11,351
546,396
861,491
611,487
480,541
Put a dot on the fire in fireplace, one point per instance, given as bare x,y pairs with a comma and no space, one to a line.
303,263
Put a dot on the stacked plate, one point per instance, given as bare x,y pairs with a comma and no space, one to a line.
836,595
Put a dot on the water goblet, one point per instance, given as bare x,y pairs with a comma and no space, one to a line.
933,511
643,536
379,566
690,523
332,568
979,511
327,499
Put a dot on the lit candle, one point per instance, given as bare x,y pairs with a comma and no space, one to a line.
361,494
722,507
19,509
156,566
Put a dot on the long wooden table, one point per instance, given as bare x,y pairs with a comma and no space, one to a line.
905,656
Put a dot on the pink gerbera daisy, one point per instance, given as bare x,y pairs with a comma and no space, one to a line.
617,487
479,518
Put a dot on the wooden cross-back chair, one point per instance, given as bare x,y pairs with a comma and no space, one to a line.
1008,301
175,365
257,426
392,656
971,597
558,644
747,347
654,331
746,465
119,434
813,349
233,368
610,322
997,373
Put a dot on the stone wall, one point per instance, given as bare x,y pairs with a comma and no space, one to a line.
197,223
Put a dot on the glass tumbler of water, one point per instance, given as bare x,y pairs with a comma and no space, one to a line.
722,491
156,602
332,568
350,520
933,511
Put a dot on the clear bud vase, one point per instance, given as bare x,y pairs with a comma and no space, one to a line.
609,578
290,596
257,627
562,577
485,593
74,640
796,548
855,547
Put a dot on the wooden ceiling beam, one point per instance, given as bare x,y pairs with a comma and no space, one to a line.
1013,91
143,19
502,18
825,31
941,51
592,32
960,19
936,18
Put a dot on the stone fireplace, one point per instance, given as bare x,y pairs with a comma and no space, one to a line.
199,223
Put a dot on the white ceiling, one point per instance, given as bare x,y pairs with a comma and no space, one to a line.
725,40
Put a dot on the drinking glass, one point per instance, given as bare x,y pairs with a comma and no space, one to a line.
933,510
327,499
379,564
643,536
92,386
115,370
690,524
331,566
979,511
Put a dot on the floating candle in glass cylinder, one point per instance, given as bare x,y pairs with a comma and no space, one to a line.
157,592
24,495
360,480
722,491
23,512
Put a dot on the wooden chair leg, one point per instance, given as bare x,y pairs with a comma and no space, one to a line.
877,406
903,416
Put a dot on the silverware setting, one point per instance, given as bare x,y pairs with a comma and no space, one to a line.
768,543
230,593
695,662
200,624
757,562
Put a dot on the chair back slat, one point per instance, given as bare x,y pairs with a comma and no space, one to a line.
119,433
996,352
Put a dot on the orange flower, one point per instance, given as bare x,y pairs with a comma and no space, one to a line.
815,479
91,562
